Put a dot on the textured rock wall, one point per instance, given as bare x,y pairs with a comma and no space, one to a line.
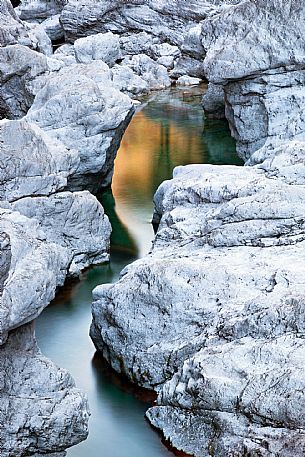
212,318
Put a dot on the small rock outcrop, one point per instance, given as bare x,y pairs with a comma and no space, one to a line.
41,412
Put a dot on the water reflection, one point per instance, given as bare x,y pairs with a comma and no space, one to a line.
169,131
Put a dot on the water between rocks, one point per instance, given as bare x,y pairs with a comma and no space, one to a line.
170,130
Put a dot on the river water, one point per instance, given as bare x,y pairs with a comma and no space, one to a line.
170,130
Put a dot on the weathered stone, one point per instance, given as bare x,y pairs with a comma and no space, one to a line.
75,221
255,50
22,73
26,291
83,110
41,411
221,296
103,46
32,163
154,74
30,10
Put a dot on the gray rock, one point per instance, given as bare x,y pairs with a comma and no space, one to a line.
255,50
12,30
75,221
83,110
213,102
23,298
218,302
30,10
126,80
32,163
154,74
158,18
145,27
41,410
103,46
188,81
275,102
22,73
53,28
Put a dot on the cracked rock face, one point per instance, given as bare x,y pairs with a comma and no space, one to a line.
75,108
212,318
46,233
41,410
143,25
255,52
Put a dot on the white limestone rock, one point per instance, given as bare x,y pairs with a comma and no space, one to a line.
22,73
33,10
255,50
126,80
53,27
253,37
167,19
12,30
219,301
75,221
26,291
32,163
154,74
79,106
275,101
138,43
103,46
188,81
41,411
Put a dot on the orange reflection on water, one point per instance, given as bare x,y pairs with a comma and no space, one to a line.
149,151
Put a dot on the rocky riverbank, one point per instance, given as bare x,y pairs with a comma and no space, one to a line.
68,73
212,317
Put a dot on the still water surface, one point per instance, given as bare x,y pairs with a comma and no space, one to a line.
168,131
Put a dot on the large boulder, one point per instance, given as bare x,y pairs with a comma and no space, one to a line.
12,30
41,412
39,10
79,106
32,163
218,301
255,51
22,73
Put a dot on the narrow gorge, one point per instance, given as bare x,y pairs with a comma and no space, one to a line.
209,318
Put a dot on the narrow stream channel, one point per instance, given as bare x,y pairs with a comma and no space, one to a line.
168,131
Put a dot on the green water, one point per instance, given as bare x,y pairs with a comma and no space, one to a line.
170,130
